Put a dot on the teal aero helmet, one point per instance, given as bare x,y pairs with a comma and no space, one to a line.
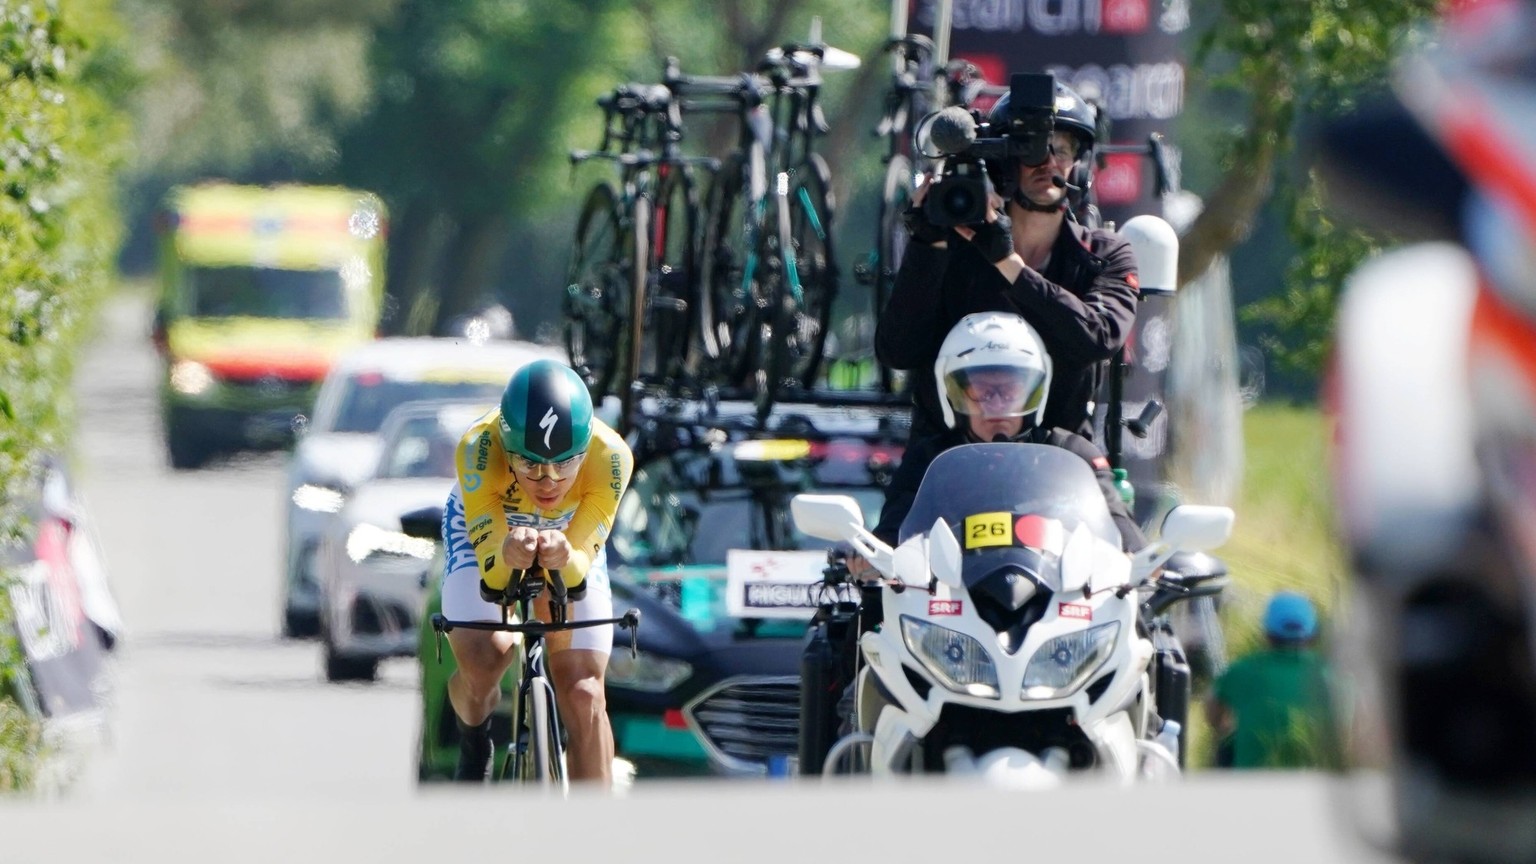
546,413
1290,617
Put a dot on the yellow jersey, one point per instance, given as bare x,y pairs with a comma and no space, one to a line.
494,502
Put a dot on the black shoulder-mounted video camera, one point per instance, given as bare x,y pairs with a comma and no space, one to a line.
967,141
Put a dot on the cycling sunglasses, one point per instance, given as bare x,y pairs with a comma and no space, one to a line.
552,470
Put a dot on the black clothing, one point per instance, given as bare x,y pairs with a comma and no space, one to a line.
902,491
1083,306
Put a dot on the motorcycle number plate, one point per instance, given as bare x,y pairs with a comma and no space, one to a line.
988,529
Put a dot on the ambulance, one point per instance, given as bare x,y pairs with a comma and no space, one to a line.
261,288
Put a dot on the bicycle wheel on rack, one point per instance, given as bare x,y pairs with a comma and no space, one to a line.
892,241
633,342
729,269
597,296
809,275
672,283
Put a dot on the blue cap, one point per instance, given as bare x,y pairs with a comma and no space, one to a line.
1290,617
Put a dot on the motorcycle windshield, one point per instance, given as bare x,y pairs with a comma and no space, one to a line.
1011,504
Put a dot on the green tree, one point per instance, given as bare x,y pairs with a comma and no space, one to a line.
1272,62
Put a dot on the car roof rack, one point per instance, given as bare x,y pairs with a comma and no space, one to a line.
660,416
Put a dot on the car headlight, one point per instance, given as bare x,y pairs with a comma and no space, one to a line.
320,499
649,673
190,378
960,663
1067,662
365,540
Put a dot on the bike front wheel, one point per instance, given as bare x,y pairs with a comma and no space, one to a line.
546,762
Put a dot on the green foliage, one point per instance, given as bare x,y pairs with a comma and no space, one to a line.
1300,320
1265,64
61,134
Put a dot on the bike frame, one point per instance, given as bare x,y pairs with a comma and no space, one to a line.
537,750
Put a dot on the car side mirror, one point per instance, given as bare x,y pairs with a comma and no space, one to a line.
426,523
1197,527
827,517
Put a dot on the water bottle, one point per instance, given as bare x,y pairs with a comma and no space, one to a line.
1168,736
1123,485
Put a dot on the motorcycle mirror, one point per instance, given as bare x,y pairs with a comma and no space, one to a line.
1077,560
827,517
944,555
1197,527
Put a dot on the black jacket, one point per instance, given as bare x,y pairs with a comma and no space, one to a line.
1083,305
914,464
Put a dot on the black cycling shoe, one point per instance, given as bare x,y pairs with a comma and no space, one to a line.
475,752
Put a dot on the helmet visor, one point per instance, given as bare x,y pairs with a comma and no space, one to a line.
995,391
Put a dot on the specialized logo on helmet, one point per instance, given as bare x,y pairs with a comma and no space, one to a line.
547,423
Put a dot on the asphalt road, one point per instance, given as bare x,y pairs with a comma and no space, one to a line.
224,742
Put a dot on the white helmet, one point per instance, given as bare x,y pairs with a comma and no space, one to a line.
993,342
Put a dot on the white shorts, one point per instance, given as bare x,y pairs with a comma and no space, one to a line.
461,585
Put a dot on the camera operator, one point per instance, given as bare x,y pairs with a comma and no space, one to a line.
1027,255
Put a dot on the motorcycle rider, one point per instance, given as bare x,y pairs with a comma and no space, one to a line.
1077,286
539,482
992,370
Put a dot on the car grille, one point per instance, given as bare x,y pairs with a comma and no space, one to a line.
743,721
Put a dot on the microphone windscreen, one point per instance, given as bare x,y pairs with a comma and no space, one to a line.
952,130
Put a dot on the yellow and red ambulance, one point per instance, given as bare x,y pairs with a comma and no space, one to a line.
261,288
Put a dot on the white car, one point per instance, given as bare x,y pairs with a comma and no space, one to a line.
372,575
340,445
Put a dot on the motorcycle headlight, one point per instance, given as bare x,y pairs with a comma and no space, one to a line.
365,540
648,673
1067,662
190,378
320,499
960,663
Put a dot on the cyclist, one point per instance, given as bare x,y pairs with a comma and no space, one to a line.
1076,285
539,481
993,370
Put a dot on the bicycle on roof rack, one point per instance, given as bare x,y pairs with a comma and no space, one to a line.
923,80
537,752
631,298
770,273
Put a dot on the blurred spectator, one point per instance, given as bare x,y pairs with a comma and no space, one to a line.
1273,708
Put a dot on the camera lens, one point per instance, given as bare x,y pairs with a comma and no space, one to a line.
959,200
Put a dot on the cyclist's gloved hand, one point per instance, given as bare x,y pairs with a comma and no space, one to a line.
922,230
994,239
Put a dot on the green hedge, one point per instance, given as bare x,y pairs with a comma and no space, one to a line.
62,137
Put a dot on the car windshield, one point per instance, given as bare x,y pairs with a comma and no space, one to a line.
420,446
681,511
264,292
1009,503
370,397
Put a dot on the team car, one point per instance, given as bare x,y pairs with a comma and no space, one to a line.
372,575
703,545
340,444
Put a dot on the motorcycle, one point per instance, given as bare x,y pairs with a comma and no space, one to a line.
1017,642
